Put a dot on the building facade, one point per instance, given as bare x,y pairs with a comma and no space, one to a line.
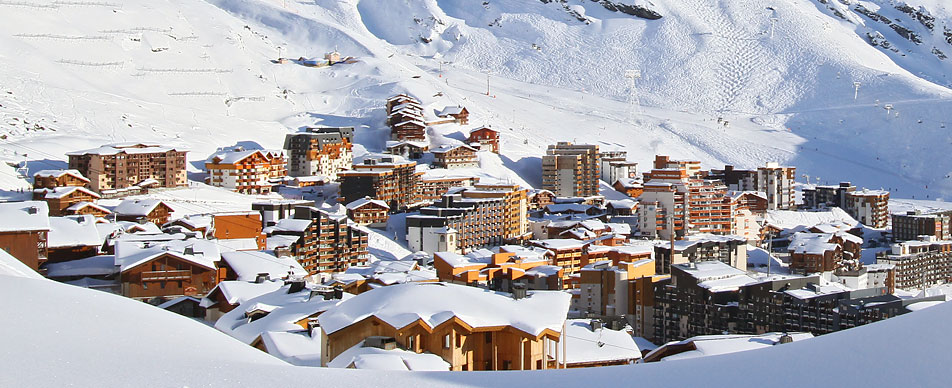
119,166
383,178
321,151
570,170
245,171
913,224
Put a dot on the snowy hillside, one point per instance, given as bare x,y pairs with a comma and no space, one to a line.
202,75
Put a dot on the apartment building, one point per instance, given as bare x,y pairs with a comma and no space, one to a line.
458,224
433,186
824,252
677,201
913,224
730,250
323,151
329,244
869,207
615,166
455,156
824,196
774,181
515,214
919,264
245,171
570,170
123,165
386,178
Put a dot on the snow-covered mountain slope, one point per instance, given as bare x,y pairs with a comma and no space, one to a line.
60,335
201,75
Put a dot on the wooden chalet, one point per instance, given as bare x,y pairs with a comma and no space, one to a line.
629,187
48,179
487,138
455,156
24,230
407,149
473,330
369,212
164,273
87,208
141,210
459,114
412,129
59,199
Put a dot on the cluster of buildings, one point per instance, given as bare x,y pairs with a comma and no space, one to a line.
502,277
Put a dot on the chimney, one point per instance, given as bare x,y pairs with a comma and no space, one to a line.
518,291
189,250
262,277
32,210
786,338
296,286
338,292
596,324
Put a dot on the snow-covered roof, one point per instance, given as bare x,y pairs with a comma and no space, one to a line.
710,345
801,220
24,216
451,110
484,128
60,173
292,225
449,147
234,156
811,243
602,345
623,204
83,204
560,243
237,292
178,300
365,201
60,192
368,357
296,348
126,148
435,303
137,207
73,231
248,264
815,290
284,310
281,241
201,252
567,207
716,276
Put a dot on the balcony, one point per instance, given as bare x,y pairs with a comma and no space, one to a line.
166,275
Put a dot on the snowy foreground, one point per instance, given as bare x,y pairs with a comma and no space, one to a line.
109,340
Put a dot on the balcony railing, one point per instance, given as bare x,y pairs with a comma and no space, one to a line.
166,275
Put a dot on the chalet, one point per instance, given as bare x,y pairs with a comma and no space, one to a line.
624,207
459,114
455,156
73,237
369,212
61,198
487,138
139,210
754,201
404,112
24,230
248,266
48,179
87,208
399,99
410,129
490,331
202,224
169,269
245,171
407,149
540,198
628,186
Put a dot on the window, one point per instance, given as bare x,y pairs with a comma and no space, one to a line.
489,337
459,340
411,343
446,341
506,365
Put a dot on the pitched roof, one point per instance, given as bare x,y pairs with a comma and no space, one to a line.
60,192
59,173
364,202
73,231
83,204
435,303
24,216
248,264
451,110
137,207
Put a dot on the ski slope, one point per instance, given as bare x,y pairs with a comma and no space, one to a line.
202,75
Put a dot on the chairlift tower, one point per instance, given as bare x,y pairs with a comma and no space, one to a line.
856,86
634,106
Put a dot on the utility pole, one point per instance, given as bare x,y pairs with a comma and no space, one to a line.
856,89
487,83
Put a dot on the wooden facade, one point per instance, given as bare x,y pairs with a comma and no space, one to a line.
58,178
61,198
167,275
250,174
487,138
370,214
240,226
29,246
455,157
464,347
159,215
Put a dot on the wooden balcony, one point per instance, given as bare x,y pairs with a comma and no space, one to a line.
166,275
